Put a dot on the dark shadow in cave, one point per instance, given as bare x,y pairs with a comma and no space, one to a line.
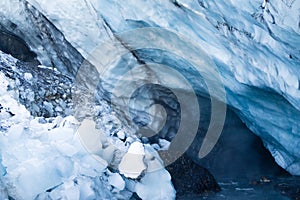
15,46
239,153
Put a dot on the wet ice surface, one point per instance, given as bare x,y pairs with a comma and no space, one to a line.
282,188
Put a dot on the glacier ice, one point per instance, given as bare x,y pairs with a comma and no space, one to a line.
51,47
145,188
256,53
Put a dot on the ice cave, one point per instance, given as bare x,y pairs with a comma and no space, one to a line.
149,99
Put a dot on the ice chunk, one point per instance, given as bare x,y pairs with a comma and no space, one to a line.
44,159
90,136
121,134
164,144
86,190
3,83
36,177
28,76
156,186
49,107
108,153
156,183
72,191
117,181
3,191
136,148
132,164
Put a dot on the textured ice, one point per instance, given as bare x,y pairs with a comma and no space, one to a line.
256,53
37,157
148,188
50,158
117,181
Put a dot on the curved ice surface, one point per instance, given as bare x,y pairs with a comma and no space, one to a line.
256,50
257,53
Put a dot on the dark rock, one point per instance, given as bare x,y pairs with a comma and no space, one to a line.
188,177
289,187
15,46
135,197
56,87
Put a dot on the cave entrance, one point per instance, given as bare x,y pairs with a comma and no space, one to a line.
239,153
